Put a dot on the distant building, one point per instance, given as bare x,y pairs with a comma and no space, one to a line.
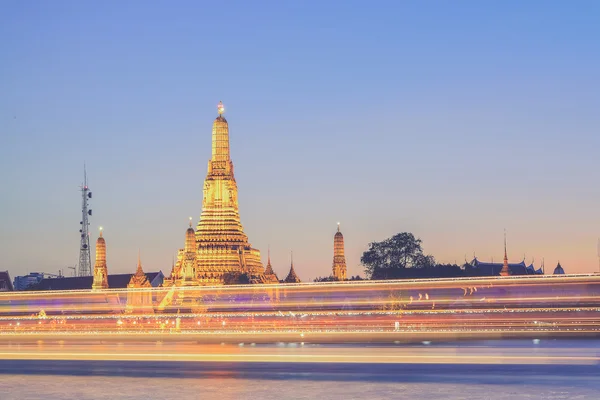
559,270
479,268
31,279
115,281
5,282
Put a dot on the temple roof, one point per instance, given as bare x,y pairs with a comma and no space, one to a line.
493,269
139,279
292,277
559,270
269,270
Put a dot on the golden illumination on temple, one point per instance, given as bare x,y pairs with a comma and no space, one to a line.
220,252
339,259
100,270
139,301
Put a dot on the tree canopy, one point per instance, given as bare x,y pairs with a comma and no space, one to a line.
390,258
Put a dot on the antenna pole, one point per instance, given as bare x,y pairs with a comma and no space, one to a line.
85,259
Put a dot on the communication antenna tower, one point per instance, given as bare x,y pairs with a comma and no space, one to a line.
85,260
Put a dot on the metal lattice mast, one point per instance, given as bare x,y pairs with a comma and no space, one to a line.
85,259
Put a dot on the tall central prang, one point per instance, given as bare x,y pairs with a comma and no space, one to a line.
222,245
218,251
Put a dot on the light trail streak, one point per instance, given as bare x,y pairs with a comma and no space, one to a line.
307,354
565,306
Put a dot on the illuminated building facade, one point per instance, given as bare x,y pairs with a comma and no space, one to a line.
139,301
339,259
100,271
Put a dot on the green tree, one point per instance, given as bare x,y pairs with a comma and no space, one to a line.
389,258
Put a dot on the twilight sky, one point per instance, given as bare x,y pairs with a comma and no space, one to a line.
451,120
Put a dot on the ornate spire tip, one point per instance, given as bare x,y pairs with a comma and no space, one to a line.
220,108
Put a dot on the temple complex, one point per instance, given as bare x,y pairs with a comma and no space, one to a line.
100,271
139,301
292,277
339,259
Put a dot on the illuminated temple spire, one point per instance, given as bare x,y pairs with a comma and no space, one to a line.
221,244
292,277
100,270
505,270
339,259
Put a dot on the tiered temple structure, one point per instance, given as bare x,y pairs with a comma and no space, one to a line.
100,271
292,277
221,252
139,301
339,259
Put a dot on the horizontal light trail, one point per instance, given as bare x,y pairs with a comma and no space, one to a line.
302,354
372,311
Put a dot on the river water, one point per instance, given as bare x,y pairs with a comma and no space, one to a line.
54,380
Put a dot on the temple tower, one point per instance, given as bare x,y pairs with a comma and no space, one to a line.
291,277
505,271
222,246
339,259
100,270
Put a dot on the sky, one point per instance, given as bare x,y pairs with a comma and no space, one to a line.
451,120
